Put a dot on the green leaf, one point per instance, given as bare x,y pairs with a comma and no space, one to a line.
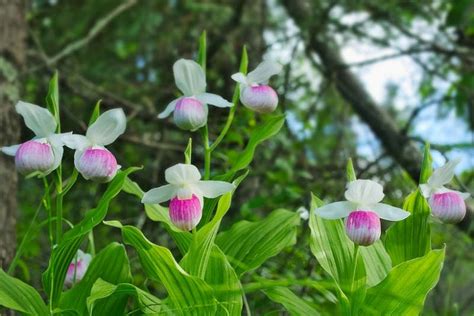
292,303
111,264
410,238
338,257
351,175
52,100
404,290
111,294
188,152
95,113
202,51
19,296
63,254
158,213
377,262
187,294
249,244
426,165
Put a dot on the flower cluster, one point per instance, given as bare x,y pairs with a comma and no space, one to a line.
43,154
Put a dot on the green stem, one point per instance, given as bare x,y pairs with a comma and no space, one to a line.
91,243
224,131
354,271
47,206
59,205
207,153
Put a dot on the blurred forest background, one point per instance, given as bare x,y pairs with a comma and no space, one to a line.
372,80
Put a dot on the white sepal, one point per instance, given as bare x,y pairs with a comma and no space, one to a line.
108,127
443,174
159,195
181,174
169,109
263,72
214,99
213,189
58,152
364,192
189,77
10,150
335,210
389,212
38,119
77,142
58,139
240,78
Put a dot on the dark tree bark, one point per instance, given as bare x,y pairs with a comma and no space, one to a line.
12,59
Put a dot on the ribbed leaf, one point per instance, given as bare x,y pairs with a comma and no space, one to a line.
95,113
19,296
426,166
111,264
377,262
63,254
52,99
292,303
410,238
248,244
188,295
404,290
105,293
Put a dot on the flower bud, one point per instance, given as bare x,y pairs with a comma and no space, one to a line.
449,207
190,114
363,227
185,214
97,164
261,98
34,156
77,268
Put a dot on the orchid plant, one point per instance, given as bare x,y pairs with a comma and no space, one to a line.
212,273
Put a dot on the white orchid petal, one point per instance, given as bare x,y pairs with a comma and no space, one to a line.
57,139
364,192
214,99
186,192
264,71
181,174
159,195
213,189
108,127
443,174
58,152
77,142
426,190
169,109
38,119
189,77
463,195
10,150
389,212
240,78
335,210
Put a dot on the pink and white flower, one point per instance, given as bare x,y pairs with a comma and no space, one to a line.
255,94
77,268
92,159
363,211
185,191
447,205
190,110
43,153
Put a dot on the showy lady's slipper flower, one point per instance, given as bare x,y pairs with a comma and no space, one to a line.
44,152
185,192
77,268
255,94
447,205
91,158
190,110
363,211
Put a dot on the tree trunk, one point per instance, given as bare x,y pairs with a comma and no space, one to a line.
12,60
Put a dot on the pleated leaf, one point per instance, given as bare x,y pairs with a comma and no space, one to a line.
19,296
377,262
249,244
404,290
294,304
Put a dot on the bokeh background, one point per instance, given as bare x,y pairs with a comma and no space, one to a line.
372,80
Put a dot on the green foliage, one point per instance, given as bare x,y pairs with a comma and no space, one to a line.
20,296
95,113
52,99
292,303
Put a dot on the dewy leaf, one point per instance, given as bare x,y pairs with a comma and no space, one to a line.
111,264
188,295
292,302
249,244
107,294
404,290
63,254
19,296
410,238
